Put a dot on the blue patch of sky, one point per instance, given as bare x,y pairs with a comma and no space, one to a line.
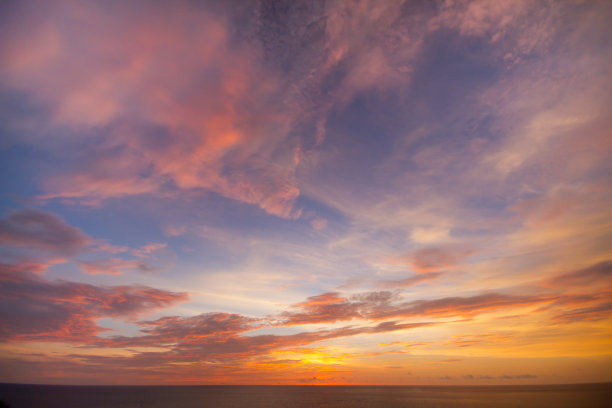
18,182
445,88
21,116
311,207
117,224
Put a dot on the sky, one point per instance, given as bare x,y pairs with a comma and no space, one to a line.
306,192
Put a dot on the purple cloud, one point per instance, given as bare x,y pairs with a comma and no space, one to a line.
36,309
42,230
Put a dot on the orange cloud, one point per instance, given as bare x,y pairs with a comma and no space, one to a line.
383,305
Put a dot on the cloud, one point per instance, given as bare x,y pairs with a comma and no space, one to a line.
598,274
330,307
207,120
33,240
27,266
509,25
517,377
36,309
224,119
408,282
327,307
309,380
149,248
216,336
600,311
501,377
196,330
318,223
429,235
174,101
439,257
194,123
42,230
151,257
113,266
433,258
479,339
66,311
465,306
580,304
222,358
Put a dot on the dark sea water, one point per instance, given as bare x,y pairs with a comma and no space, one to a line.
51,396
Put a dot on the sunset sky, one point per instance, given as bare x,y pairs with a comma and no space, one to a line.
306,192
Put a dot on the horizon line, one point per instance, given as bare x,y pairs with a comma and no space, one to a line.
309,385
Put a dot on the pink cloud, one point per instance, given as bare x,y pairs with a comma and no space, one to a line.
113,266
433,258
480,17
440,257
318,223
182,136
26,266
149,249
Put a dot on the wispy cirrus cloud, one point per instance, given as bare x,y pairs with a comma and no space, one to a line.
408,282
600,311
113,266
151,257
330,307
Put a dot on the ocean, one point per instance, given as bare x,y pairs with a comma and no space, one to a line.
235,396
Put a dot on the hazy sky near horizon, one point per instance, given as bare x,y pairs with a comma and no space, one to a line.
305,192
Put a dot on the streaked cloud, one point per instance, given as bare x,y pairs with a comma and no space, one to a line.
598,274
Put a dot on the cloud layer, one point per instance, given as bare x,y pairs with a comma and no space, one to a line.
305,192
